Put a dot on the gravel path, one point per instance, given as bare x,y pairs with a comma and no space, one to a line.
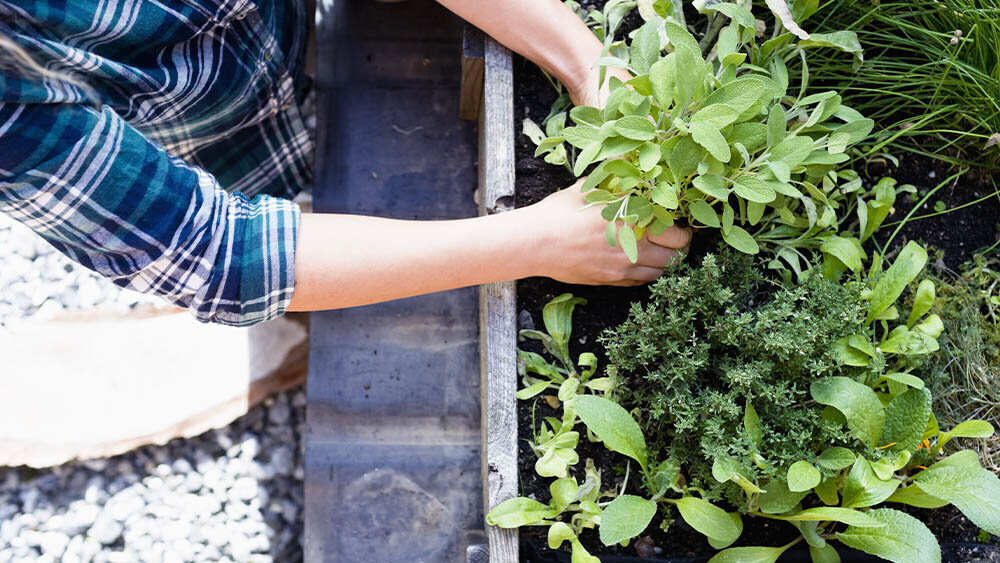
233,494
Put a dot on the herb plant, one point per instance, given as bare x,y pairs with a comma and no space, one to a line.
846,426
709,133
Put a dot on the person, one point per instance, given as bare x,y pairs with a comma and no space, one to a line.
157,143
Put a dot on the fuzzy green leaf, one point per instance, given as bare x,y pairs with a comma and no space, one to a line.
626,517
903,539
836,458
908,264
864,488
713,185
857,402
749,555
636,128
802,476
626,238
613,425
704,213
905,420
777,499
708,135
915,496
741,240
751,188
975,491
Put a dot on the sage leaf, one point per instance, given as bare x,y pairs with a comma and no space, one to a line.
846,41
713,185
626,238
857,402
613,425
708,519
709,136
661,77
751,188
741,240
586,156
580,136
665,195
520,511
780,10
685,157
645,47
903,539
803,476
626,517
975,491
792,150
704,213
586,115
735,12
719,115
636,128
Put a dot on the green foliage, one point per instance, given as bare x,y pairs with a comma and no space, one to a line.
931,76
711,340
709,133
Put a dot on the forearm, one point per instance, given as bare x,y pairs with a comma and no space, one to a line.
543,31
351,260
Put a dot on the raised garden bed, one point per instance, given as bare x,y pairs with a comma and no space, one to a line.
957,235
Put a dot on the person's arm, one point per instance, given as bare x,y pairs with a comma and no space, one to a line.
545,32
113,201
349,260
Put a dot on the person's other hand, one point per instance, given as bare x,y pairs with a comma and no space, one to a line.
573,249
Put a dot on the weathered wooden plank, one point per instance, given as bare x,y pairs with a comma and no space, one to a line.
472,74
497,304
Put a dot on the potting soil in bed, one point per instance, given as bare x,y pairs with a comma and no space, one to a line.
958,234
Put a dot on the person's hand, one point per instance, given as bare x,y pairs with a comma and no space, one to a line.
584,90
573,248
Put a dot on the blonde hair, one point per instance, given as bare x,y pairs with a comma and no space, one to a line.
14,56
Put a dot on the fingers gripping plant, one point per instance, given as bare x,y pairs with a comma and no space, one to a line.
717,140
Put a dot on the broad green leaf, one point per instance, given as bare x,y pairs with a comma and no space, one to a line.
685,157
908,264
586,156
661,77
626,517
645,47
825,554
750,134
836,458
905,379
971,429
751,423
636,128
827,491
558,533
741,240
737,13
802,476
532,390
836,513
792,150
719,115
776,122
846,41
751,188
556,461
857,402
864,488
783,174
749,555
716,543
708,136
745,92
586,115
563,492
704,213
580,136
915,496
649,155
680,37
777,499
520,511
707,518
808,529
627,240
568,389
558,318
965,459
903,539
975,491
844,250
665,195
905,420
713,185
850,355
613,425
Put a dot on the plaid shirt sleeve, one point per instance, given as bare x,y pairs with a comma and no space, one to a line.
117,203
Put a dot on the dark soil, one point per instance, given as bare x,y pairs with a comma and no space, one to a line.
957,234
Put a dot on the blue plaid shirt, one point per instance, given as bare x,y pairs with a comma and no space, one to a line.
170,177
